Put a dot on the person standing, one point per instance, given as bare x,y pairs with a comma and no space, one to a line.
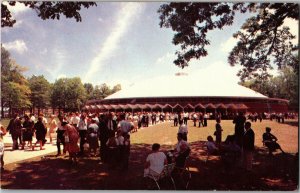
104,133
218,132
183,129
175,119
71,139
82,128
205,117
52,127
92,136
201,119
15,129
75,120
248,146
239,122
40,132
195,119
27,131
185,117
124,125
60,136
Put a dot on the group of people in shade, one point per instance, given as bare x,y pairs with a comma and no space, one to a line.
113,132
241,144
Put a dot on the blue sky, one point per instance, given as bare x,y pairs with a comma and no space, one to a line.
117,42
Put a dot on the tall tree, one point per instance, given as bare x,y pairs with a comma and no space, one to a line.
261,37
40,92
46,10
14,86
89,90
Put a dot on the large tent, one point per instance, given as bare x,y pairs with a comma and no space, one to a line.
188,93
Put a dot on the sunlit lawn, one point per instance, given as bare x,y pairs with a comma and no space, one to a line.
165,133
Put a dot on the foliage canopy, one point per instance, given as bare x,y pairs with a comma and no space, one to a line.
260,39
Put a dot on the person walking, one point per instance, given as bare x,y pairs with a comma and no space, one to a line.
40,132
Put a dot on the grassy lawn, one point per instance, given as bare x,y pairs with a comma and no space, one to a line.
165,133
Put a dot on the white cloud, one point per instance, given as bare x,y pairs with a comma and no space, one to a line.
228,45
124,19
166,59
58,60
100,19
17,45
18,8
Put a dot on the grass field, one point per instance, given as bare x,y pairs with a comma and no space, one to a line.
165,133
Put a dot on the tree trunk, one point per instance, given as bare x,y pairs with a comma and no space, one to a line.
2,109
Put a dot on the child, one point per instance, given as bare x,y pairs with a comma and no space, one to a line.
218,132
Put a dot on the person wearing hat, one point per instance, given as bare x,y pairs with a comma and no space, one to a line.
270,141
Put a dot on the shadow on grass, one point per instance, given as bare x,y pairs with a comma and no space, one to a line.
291,123
278,172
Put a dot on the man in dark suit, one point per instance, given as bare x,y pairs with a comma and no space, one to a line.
248,146
105,129
239,122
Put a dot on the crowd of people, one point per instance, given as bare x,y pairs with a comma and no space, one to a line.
108,134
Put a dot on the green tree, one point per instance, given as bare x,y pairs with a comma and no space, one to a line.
40,92
68,94
104,90
260,39
75,94
14,86
116,88
285,85
89,90
46,10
